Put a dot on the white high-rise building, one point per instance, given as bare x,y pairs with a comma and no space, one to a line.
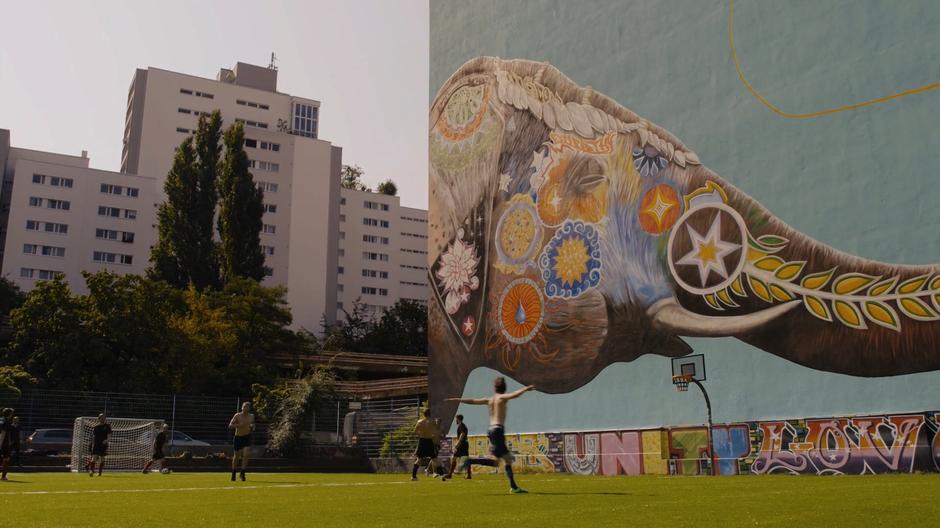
383,251
58,216
328,245
298,172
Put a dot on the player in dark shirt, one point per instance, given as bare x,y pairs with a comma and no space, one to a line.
158,444
101,433
461,452
6,440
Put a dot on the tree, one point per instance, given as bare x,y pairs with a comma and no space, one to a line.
352,178
241,208
13,379
402,330
173,256
388,187
49,338
291,407
10,296
208,152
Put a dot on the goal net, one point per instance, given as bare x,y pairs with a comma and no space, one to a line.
130,446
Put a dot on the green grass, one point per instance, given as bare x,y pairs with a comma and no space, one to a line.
206,500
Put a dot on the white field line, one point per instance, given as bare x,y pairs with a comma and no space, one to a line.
216,488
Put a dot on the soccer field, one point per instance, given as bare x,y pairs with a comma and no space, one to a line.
280,500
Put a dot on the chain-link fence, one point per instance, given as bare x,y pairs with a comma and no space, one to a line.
200,423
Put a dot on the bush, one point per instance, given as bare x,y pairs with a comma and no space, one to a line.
291,406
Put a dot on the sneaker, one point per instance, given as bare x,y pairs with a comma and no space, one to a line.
243,476
517,490
414,479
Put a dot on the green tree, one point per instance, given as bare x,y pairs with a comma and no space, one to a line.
352,178
13,379
208,144
388,187
10,297
291,406
402,330
241,208
49,338
174,255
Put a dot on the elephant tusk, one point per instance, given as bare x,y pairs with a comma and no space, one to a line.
670,316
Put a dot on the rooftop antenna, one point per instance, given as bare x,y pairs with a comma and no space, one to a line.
273,60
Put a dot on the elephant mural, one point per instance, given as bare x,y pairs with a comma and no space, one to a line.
566,233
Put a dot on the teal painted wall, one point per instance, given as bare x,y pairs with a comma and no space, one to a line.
864,181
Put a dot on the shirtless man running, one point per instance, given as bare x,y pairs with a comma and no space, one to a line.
497,432
244,424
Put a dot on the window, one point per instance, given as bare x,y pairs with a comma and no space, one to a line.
26,273
251,143
53,251
305,120
421,284
270,208
342,201
268,272
342,235
185,91
414,235
32,225
412,219
340,270
127,259
182,130
267,187
132,192
382,257
63,205
107,188
248,122
266,145
369,290
48,274
130,214
339,287
374,273
383,223
251,104
368,204
113,212
51,227
35,202
419,268
370,222
269,229
39,178
415,251
127,237
30,249
339,306
342,252
269,166
106,234
111,258
184,110
342,218
374,239
54,181
205,95
268,250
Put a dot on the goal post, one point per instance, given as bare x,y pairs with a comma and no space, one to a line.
130,446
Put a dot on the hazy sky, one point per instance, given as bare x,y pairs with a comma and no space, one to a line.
65,68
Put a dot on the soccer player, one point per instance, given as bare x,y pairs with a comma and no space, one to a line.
461,449
425,430
158,444
15,442
6,440
497,405
244,424
101,435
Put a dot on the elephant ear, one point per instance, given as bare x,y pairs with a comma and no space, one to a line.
459,277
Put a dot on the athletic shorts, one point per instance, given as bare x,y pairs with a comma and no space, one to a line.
241,442
425,448
99,449
158,455
497,436
462,450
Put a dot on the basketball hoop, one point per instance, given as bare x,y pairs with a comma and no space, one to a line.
682,382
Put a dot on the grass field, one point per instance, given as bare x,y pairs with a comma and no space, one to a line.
207,500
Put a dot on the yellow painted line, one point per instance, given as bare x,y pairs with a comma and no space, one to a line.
788,115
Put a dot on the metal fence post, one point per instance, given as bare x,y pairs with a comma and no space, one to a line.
173,420
337,422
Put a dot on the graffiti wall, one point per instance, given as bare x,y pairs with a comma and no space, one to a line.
576,243
902,443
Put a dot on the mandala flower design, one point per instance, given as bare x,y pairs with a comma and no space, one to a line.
648,161
521,311
457,273
518,235
571,262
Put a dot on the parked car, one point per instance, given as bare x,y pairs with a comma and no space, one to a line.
181,441
51,441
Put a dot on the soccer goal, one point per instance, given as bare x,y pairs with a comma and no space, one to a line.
130,447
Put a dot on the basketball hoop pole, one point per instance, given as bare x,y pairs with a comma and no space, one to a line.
708,407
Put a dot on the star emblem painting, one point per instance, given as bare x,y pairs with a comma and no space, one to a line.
706,248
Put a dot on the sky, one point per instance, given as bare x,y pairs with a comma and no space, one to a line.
65,68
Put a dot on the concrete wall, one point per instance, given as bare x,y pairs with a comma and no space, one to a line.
860,181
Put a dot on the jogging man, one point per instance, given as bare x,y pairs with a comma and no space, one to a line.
244,424
158,444
6,440
101,435
497,432
425,430
461,452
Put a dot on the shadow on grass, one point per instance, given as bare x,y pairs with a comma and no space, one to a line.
571,493
253,481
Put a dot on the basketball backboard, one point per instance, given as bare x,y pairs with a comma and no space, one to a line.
693,365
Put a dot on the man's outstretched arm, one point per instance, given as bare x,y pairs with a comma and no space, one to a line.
520,392
471,401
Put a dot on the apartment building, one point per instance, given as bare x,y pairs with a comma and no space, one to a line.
298,172
59,216
382,252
